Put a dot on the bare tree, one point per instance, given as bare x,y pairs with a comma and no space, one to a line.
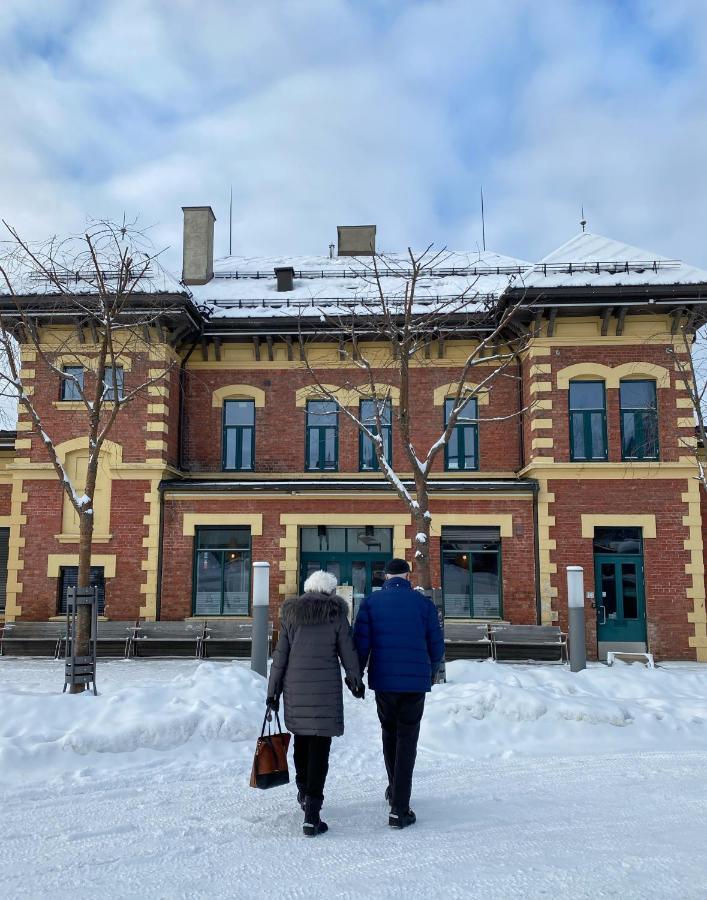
106,288
395,325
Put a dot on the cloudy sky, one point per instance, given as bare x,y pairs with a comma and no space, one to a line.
326,112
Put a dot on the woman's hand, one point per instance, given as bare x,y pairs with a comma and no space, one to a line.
272,704
356,686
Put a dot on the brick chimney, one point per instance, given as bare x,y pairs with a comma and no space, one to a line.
356,240
198,244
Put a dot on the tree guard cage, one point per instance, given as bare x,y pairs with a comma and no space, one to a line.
80,669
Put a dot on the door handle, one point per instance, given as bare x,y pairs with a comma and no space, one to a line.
602,609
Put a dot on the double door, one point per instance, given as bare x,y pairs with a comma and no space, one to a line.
620,599
363,574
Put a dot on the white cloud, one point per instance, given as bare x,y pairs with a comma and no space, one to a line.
323,112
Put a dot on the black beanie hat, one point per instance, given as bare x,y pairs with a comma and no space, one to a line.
396,567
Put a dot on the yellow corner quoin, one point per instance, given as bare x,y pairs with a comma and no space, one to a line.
238,392
696,569
151,544
292,522
55,561
613,375
441,393
15,564
192,521
590,522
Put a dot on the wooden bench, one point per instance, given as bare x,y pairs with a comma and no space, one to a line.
467,640
116,638
33,639
168,639
538,643
229,638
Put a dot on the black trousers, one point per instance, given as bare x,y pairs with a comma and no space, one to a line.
312,763
400,715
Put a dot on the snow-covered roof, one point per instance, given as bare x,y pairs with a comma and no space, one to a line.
246,287
590,260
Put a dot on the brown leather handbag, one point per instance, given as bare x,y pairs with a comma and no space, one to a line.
270,762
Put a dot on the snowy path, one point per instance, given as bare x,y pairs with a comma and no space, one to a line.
630,824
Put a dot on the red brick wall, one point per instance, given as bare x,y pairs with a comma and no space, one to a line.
280,425
5,499
667,607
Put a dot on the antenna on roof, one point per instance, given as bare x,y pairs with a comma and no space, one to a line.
230,224
583,221
483,221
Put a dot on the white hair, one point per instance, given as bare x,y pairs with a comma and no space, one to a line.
321,583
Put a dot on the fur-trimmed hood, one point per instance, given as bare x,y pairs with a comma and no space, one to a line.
313,609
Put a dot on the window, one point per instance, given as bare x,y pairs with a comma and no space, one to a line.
69,577
4,552
239,435
322,450
368,460
620,539
639,420
222,572
462,450
587,404
108,393
471,572
70,390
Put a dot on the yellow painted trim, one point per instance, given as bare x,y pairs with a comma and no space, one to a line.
157,390
5,521
503,520
695,568
156,445
546,547
238,392
27,374
686,422
608,520
440,394
540,387
74,538
542,443
70,405
293,521
613,375
56,560
607,471
15,563
82,359
538,369
348,396
151,544
157,409
23,426
545,403
191,521
23,443
158,426
683,402
540,423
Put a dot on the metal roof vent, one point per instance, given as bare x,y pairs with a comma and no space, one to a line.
285,278
356,240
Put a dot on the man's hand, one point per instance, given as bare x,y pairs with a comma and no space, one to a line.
357,687
272,704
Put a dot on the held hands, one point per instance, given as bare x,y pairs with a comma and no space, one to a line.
357,687
272,704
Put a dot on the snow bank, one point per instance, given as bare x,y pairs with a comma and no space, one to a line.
489,709
49,733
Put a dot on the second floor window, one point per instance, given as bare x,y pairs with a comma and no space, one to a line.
322,441
109,384
368,459
462,450
239,435
72,385
587,408
639,420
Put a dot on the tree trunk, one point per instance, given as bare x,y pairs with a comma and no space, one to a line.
423,576
83,612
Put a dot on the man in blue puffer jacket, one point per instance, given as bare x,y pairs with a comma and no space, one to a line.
398,637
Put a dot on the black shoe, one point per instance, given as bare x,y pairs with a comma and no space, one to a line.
401,819
389,796
300,796
313,825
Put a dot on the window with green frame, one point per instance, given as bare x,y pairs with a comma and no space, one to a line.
639,420
238,442
322,436
368,460
221,571
462,450
471,572
587,412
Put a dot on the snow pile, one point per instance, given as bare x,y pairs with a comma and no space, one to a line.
489,709
47,733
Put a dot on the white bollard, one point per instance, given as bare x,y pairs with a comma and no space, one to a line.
575,603
259,635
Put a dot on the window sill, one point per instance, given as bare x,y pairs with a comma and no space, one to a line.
248,618
74,538
63,619
69,404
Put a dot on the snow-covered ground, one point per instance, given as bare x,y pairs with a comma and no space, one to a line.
530,782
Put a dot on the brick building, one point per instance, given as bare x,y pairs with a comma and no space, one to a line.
585,456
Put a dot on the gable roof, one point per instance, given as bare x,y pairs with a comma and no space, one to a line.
591,260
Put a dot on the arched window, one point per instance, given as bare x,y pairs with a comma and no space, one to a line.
587,421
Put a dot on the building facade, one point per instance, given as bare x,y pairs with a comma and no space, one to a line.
583,454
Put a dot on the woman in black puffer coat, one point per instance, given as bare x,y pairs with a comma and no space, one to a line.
315,641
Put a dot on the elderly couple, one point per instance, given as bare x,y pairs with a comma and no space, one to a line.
398,637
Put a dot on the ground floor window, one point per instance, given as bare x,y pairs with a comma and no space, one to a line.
356,556
4,545
69,577
222,572
471,573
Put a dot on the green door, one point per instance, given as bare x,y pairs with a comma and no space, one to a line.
620,599
363,574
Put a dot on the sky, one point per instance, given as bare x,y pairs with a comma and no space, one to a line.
320,113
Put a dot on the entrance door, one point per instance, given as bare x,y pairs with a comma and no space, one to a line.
620,602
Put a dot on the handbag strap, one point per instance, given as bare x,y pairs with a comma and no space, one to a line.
268,719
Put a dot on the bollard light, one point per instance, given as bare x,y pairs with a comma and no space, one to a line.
575,603
259,634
